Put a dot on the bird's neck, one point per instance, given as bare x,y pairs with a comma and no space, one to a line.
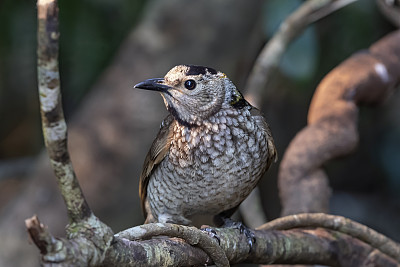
179,119
225,111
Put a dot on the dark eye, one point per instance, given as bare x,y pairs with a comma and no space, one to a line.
190,84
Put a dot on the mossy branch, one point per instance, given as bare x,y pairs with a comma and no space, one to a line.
53,122
339,224
88,237
307,238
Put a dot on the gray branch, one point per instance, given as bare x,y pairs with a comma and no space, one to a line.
270,56
53,122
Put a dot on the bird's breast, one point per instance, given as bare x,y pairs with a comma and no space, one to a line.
213,167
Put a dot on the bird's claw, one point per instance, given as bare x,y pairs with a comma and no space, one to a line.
212,233
251,239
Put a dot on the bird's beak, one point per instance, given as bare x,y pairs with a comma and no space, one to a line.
156,84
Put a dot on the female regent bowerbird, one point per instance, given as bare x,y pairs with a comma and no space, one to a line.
211,151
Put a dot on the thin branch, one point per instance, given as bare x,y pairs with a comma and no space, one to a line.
88,238
40,236
53,122
270,56
86,245
340,224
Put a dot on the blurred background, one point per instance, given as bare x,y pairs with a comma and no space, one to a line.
107,46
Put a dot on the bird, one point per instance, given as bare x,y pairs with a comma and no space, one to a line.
210,152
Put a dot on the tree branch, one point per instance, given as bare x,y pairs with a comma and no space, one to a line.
88,237
365,78
270,56
337,246
191,235
85,246
266,64
340,224
53,122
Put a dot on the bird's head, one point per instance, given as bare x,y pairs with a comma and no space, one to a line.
194,93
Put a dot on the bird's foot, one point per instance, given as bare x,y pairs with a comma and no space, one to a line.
211,233
251,239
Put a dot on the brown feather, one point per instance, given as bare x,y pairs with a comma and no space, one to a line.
158,151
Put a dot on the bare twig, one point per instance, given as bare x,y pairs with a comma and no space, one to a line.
364,78
53,122
267,62
40,236
340,224
88,237
270,56
86,246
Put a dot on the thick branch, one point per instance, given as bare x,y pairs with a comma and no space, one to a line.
365,78
340,224
155,252
53,123
191,235
270,56
337,246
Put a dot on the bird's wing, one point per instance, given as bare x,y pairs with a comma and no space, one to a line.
158,151
272,153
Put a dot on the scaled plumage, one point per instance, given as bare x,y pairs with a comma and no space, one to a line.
210,152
